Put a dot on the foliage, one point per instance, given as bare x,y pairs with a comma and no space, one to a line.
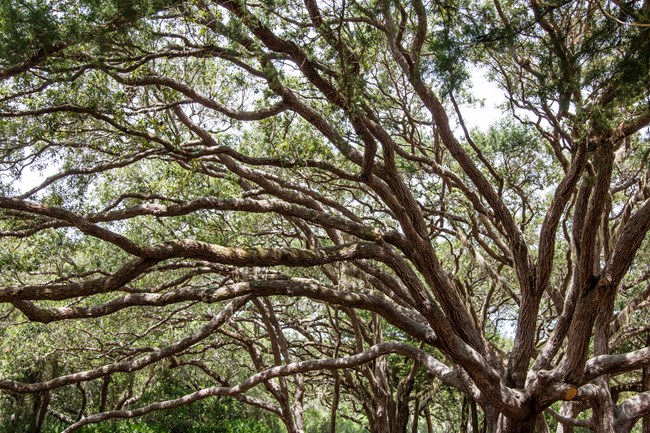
273,216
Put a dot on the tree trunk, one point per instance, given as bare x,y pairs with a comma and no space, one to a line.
335,401
569,410
490,420
382,422
416,415
645,386
506,425
542,426
291,425
401,403
603,408
464,414
427,416
474,417
42,403
402,417
104,393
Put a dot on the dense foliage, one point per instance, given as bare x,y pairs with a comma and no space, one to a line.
272,216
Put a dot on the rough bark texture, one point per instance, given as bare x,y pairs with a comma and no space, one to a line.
287,196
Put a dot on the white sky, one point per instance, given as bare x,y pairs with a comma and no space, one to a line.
482,117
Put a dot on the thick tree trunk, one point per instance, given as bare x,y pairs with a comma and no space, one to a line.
401,420
490,420
542,425
382,424
383,417
603,408
506,425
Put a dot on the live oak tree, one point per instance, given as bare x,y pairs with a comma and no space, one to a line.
288,190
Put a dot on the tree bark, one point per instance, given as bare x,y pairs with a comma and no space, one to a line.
474,417
416,415
335,401
569,409
427,417
506,425
646,387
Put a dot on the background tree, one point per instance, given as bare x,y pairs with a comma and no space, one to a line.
225,174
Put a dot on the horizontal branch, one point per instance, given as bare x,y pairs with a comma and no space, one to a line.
130,365
247,257
242,257
433,366
325,219
616,364
405,319
60,291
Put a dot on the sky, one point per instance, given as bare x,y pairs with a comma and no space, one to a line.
482,117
